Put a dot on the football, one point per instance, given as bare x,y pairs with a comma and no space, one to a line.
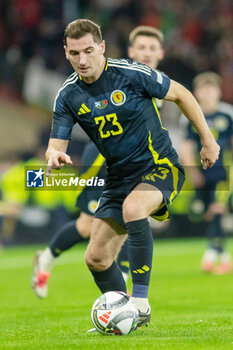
114,313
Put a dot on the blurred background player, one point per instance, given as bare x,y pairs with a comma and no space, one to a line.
145,46
210,200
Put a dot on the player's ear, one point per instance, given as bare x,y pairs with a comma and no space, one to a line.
102,46
161,56
66,54
130,52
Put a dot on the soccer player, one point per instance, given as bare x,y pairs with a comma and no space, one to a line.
143,171
145,46
208,201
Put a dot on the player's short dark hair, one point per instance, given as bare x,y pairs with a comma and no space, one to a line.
80,27
147,31
207,78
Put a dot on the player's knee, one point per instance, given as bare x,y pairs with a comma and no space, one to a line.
95,263
132,210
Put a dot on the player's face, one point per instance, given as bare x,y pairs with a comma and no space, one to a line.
86,56
207,94
146,50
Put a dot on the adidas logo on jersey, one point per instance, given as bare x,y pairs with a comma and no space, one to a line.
83,109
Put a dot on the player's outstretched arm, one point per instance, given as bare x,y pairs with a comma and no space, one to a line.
56,155
191,109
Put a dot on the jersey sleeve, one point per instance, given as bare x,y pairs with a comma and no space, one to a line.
153,82
63,120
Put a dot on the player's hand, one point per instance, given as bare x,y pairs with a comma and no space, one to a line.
57,160
209,154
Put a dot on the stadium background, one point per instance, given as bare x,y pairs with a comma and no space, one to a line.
198,37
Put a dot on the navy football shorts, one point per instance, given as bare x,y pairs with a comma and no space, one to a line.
87,201
93,164
168,179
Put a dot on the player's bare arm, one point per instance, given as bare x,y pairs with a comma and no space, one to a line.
56,155
191,109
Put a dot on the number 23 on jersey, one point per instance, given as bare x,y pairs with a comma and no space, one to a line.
103,121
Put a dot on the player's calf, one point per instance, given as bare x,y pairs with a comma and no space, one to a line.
100,257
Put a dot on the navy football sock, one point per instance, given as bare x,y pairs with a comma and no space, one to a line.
110,279
140,251
122,259
215,234
65,238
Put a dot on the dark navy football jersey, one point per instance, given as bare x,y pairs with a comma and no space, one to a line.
221,125
89,157
119,114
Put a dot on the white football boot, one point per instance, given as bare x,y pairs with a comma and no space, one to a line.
40,277
209,260
144,310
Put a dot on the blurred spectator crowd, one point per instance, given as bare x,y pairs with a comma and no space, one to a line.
198,35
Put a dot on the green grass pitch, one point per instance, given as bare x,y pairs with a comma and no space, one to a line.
190,310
